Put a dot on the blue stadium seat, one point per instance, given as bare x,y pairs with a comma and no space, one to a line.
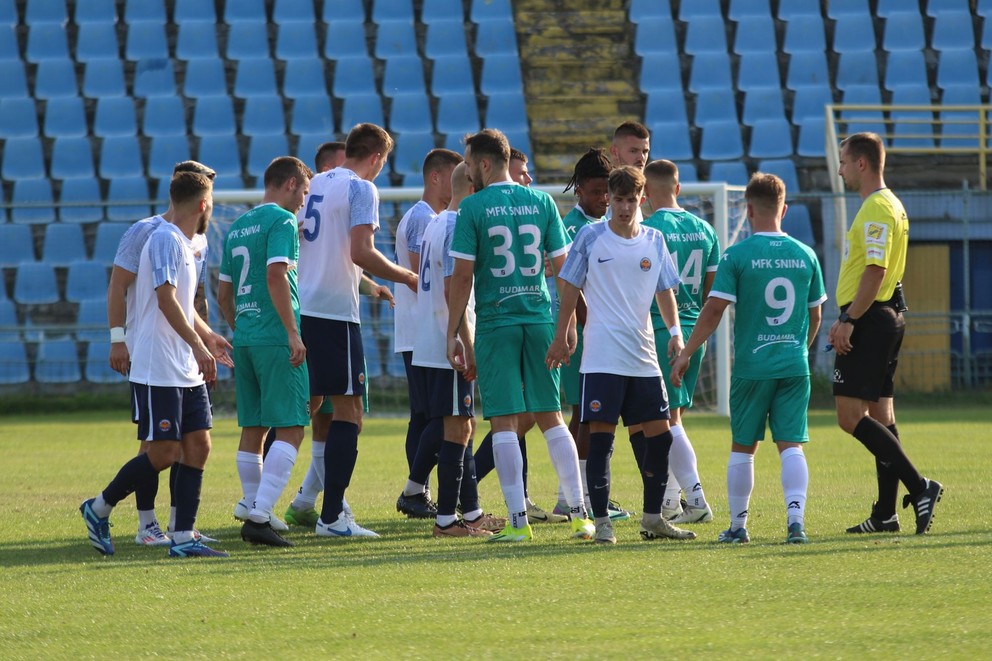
755,34
435,11
665,106
306,146
757,71
63,244
353,75
164,153
304,78
8,13
913,128
132,189
501,73
853,34
114,116
984,9
671,140
870,120
221,153
903,31
55,78
292,11
953,30
72,158
103,78
263,115
458,114
244,11
710,70
392,11
856,68
905,67
411,148
410,113
715,104
205,77
196,39
452,74
804,34
486,10
763,103
16,246
507,112
18,118
395,37
344,10
771,138
213,115
886,8
838,8
34,284
8,319
940,7
500,38
296,39
807,68
445,37
164,117
741,9
46,41
785,170
957,67
961,127
689,11
13,82
721,141
345,39
120,156
97,364
520,140
312,114
14,363
403,74
248,40
809,101
229,182
255,77
108,237
78,191
57,362
146,41
22,159
9,50
661,72
706,34
798,225
96,11
811,143
86,281
188,11
96,41
139,11
262,149
732,172
64,118
641,10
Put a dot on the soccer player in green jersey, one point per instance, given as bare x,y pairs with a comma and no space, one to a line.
259,298
695,250
776,284
500,238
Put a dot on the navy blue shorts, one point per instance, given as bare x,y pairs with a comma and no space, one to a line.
415,383
447,393
335,356
638,399
165,413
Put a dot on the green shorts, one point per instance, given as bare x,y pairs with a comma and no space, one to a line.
327,407
270,392
513,377
781,403
680,397
571,381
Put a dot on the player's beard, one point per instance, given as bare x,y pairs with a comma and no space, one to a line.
203,223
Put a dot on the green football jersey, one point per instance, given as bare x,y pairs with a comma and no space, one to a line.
695,249
575,220
264,235
506,229
773,280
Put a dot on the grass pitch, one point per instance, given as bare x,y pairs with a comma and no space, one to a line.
407,595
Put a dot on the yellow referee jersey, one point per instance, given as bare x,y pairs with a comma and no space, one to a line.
879,236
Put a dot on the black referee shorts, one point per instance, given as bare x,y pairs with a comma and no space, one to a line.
867,372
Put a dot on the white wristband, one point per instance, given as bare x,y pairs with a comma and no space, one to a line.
675,331
116,334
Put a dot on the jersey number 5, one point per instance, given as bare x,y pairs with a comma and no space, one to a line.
504,250
313,213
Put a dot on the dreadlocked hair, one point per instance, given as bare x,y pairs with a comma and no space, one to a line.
594,164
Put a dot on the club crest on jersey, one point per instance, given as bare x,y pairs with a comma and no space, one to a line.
467,401
645,264
361,377
595,405
164,425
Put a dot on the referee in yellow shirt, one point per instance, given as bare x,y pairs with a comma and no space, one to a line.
869,332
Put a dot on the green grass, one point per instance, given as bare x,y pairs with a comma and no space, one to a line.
409,596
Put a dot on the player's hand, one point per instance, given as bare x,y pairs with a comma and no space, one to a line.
456,354
840,337
471,368
558,353
412,281
120,359
220,349
679,366
385,293
205,363
548,270
297,352
675,347
571,340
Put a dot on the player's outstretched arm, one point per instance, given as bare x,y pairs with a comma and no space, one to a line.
120,280
709,319
216,344
174,314
560,352
369,287
278,284
367,257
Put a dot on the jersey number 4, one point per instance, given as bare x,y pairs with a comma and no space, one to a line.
504,250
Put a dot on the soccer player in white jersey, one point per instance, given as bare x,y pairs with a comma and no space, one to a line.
776,284
340,217
170,366
621,268
414,500
120,312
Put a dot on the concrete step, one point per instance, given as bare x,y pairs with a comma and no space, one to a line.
578,106
593,86
524,6
559,70
564,48
576,23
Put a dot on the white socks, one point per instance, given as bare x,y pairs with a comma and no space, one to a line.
412,488
740,483
100,506
275,476
682,465
250,472
795,482
510,469
146,518
565,460
313,482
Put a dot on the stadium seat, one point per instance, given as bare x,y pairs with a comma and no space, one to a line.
984,9
312,114
133,190
13,363
164,117
501,73
245,11
771,138
797,224
97,364
255,77
249,40
345,38
411,148
22,159
687,171
190,11
403,74
957,67
755,34
667,106
437,11
77,191
263,115
940,7
9,49
853,34
196,39
671,140
146,41
809,101
120,156
710,70
811,143
500,38
917,132
213,115
108,237
262,149
306,146
63,244
96,41
520,140
784,169
721,141
96,11
641,10
395,37
715,105
661,72
292,11
55,78
804,34
903,31
296,39
34,284
458,114
8,321
65,118
507,112
16,246
304,78
114,116
807,68
869,120
353,75
103,78
72,158
905,68
410,113
486,10
86,280
741,9
689,11
886,8
344,10
445,37
732,172
452,74
961,127
856,68
13,82
359,108
763,103
953,30
229,182
757,71
18,118
205,77
838,8
221,153
164,153
46,41
137,11
57,362
383,12
705,34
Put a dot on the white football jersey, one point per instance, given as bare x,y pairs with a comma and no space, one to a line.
328,280
408,237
